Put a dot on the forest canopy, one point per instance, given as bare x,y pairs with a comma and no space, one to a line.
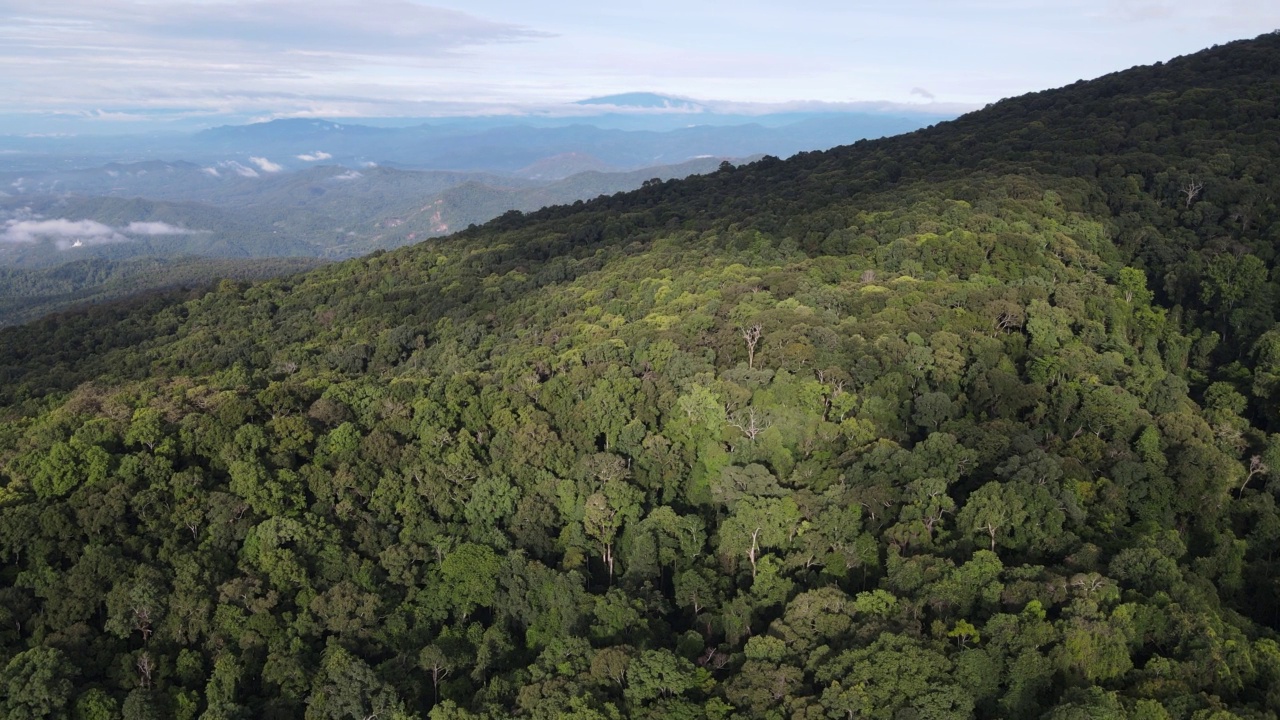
978,421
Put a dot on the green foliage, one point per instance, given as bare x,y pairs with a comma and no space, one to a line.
37,684
1004,447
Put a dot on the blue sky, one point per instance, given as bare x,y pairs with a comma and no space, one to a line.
114,61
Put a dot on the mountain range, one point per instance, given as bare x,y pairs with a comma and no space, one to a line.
324,189
625,136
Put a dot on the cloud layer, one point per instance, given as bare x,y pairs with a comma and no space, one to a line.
115,59
74,233
123,61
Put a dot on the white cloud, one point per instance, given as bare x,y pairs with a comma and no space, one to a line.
78,233
265,165
156,228
213,172
238,169
138,57
315,156
86,232
348,175
130,60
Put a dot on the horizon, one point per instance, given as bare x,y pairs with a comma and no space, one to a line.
697,112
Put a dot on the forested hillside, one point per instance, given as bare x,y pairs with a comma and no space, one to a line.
28,294
973,422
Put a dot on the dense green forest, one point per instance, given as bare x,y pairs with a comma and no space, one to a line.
978,421
30,293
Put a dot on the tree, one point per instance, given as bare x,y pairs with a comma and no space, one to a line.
655,674
993,510
891,678
437,664
1229,281
601,522
37,684
751,334
1190,190
137,604
347,688
470,577
221,691
757,524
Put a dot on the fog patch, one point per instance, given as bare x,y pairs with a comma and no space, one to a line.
66,234
156,228
238,169
72,233
266,165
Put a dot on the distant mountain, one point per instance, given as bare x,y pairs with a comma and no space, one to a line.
627,134
564,165
226,184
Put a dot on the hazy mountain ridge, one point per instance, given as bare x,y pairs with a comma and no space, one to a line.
496,144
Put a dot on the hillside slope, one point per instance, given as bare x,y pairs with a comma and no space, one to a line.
974,422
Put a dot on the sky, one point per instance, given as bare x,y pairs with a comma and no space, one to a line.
115,63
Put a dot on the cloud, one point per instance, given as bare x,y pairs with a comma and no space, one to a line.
315,156
128,59
348,175
237,168
156,228
265,165
78,233
65,233
370,27
134,60
377,27
212,172
922,93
